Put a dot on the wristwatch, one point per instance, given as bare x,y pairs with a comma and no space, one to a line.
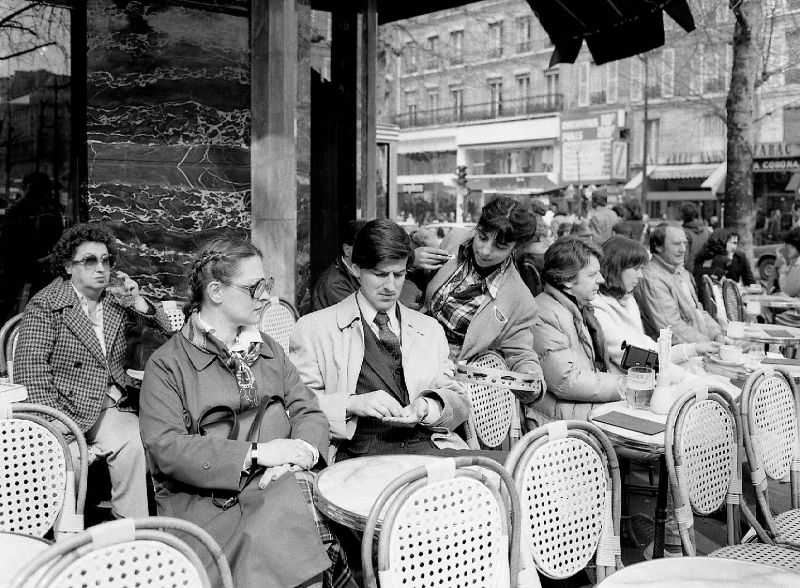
254,455
427,409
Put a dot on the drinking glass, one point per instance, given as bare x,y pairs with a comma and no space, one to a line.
116,285
640,382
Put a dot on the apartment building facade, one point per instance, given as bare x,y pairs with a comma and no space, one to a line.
473,87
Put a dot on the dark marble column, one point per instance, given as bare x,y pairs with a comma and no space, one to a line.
168,121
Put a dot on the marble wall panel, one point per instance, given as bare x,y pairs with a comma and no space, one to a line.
168,122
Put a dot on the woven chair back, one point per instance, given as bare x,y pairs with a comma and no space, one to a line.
771,424
445,525
128,553
530,275
174,314
34,477
568,480
734,309
8,335
277,321
493,407
707,295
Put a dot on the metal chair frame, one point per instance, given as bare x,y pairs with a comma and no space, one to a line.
769,410
707,295
544,459
705,471
734,308
69,518
8,337
453,477
118,547
281,330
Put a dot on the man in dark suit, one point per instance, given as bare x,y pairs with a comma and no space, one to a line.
380,369
70,356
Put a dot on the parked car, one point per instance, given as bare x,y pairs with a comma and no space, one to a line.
764,258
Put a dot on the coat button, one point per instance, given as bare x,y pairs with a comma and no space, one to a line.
206,466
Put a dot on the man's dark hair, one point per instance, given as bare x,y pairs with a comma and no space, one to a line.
688,211
509,220
792,237
599,198
76,236
658,236
634,210
348,236
619,254
566,257
381,240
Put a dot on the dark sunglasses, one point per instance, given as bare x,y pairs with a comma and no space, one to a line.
257,290
92,261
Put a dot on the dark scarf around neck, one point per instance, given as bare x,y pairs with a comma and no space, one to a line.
588,318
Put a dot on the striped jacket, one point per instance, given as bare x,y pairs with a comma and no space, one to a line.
58,357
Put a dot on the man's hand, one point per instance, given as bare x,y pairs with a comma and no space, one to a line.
285,452
430,258
378,404
707,347
411,415
722,339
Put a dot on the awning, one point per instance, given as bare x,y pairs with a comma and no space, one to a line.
681,196
634,182
794,184
684,171
716,181
612,30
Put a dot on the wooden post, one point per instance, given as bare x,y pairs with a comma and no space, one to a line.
273,157
369,69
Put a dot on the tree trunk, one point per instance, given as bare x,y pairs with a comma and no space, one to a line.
739,204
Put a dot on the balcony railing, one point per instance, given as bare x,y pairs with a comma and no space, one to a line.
481,111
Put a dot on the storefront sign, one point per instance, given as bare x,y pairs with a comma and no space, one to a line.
776,150
589,151
412,188
695,157
777,165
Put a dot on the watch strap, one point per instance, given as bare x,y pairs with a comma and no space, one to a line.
254,455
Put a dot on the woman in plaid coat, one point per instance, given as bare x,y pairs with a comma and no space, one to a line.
70,356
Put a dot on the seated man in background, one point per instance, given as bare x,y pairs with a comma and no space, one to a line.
70,352
380,370
666,293
338,281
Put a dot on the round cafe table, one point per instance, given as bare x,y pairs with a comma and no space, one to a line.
16,550
781,301
701,572
770,334
346,491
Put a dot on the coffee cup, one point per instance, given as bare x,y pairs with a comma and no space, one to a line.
735,329
730,353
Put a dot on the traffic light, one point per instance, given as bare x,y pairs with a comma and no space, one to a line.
461,175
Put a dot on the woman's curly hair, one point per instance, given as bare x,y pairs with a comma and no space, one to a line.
76,236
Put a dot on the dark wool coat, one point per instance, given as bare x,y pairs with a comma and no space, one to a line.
270,538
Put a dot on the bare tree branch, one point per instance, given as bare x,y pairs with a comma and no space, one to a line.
26,51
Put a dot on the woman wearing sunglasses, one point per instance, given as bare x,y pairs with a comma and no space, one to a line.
250,488
70,356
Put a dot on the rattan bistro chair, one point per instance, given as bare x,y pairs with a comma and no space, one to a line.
567,476
174,311
277,321
128,553
8,340
734,308
39,488
447,525
769,411
704,460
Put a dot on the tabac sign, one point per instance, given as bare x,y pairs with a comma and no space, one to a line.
776,157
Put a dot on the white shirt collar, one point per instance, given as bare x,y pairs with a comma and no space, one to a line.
244,337
370,312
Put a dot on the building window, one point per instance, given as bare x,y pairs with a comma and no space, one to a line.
426,162
495,98
524,25
410,58
523,87
433,103
457,102
432,61
653,139
517,160
668,73
496,39
583,84
411,106
456,47
713,72
637,79
553,87
792,75
612,82
597,84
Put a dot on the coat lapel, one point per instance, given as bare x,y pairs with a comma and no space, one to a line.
77,322
113,319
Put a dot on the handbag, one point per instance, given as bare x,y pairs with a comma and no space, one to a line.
266,422
637,356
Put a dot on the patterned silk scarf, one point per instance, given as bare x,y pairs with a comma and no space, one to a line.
237,362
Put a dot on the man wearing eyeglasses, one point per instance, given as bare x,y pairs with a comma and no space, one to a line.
70,356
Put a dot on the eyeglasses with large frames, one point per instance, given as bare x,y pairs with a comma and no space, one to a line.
92,261
257,290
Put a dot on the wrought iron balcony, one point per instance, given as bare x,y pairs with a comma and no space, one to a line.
481,111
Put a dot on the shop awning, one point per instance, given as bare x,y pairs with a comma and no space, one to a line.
684,171
716,181
794,184
612,29
680,196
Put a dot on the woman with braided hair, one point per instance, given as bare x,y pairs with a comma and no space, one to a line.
218,454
